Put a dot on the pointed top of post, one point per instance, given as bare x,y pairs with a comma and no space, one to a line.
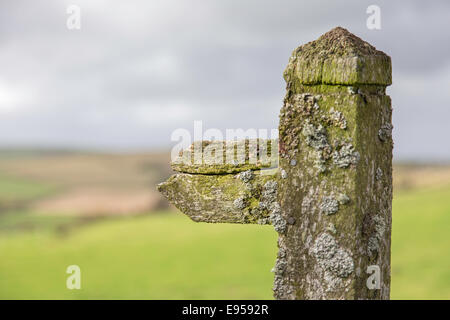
339,42
339,57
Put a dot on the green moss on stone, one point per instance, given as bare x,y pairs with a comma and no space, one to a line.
219,198
338,57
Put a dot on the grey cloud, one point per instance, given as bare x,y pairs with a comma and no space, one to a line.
139,69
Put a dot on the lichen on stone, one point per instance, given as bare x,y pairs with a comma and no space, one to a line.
331,257
316,137
329,205
342,198
280,265
269,193
246,176
281,286
385,132
374,241
278,222
345,156
269,203
379,174
324,247
338,119
240,203
341,264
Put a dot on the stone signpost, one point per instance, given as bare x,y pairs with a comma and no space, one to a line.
330,196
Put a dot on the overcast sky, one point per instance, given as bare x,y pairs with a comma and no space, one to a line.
137,70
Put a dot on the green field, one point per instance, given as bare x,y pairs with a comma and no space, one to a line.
166,256
421,244
15,192
163,256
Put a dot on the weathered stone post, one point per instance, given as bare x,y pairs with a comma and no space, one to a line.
330,198
336,159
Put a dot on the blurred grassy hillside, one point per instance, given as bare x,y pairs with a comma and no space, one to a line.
102,212
82,184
